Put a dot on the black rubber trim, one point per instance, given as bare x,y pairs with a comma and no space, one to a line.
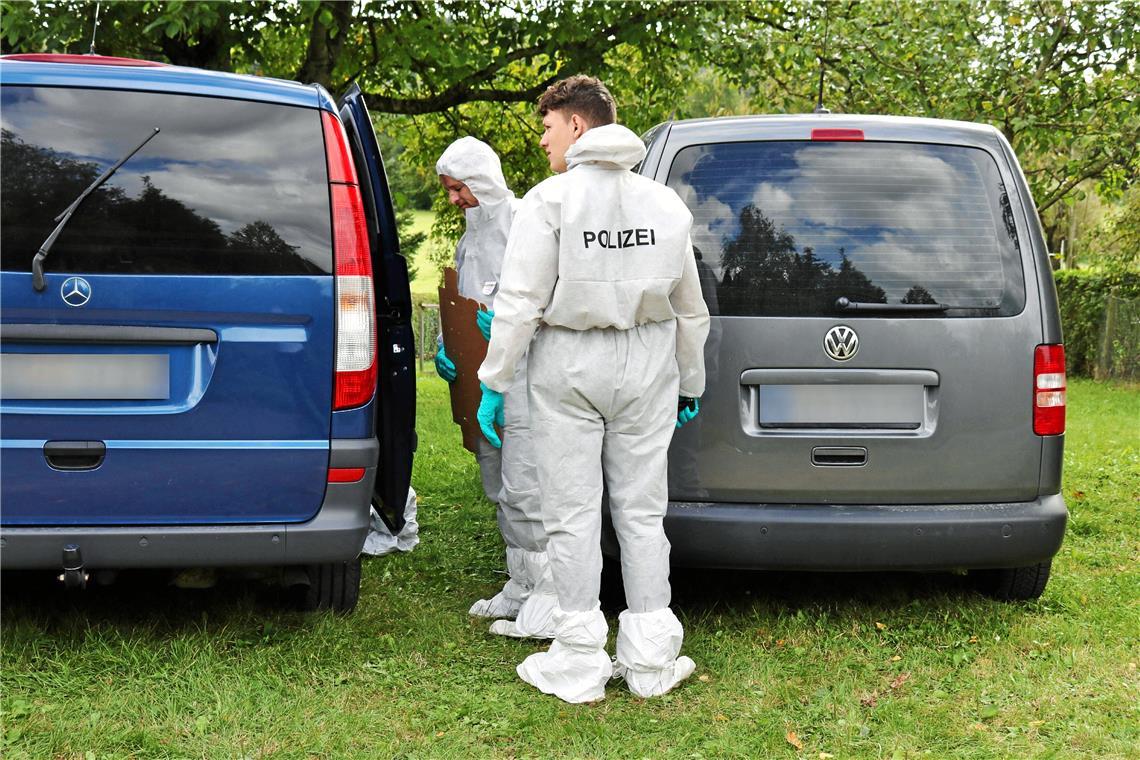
839,376
862,537
354,452
95,334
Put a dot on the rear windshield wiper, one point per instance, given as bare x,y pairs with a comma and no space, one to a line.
65,217
846,304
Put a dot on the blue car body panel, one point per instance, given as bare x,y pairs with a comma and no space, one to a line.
169,79
244,434
243,437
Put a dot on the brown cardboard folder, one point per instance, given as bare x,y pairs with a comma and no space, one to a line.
466,347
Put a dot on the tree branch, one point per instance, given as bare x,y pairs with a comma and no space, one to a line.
456,94
1091,171
589,50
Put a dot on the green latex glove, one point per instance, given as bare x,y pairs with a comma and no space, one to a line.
490,412
444,367
483,320
687,409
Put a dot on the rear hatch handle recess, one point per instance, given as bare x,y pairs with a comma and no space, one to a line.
846,304
72,456
65,217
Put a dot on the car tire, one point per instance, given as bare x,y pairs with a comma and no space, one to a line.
1013,584
332,586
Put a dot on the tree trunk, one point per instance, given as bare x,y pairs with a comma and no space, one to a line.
325,44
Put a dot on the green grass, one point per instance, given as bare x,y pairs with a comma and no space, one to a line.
857,666
427,274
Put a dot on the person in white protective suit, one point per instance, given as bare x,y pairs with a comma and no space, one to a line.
471,173
600,273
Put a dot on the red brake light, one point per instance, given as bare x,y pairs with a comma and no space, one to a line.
1049,389
341,168
355,297
837,134
350,232
345,474
98,60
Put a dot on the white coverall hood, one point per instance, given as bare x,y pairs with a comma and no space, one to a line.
479,255
613,146
475,164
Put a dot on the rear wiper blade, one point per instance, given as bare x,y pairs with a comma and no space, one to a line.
65,217
846,304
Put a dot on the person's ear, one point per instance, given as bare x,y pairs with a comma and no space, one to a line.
577,125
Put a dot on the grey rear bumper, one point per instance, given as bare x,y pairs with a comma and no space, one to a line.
335,533
863,537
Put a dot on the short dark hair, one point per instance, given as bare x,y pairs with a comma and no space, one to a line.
583,95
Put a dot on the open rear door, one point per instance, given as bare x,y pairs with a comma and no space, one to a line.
396,380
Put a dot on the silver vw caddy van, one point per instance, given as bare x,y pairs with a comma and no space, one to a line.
886,380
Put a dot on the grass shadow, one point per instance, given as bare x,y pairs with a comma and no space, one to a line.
141,600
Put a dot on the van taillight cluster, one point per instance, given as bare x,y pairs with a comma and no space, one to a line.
1049,390
356,310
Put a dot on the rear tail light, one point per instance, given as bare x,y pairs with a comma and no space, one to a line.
1049,390
345,474
837,134
356,307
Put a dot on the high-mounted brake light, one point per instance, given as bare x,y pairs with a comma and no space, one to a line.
356,308
1049,389
95,60
837,134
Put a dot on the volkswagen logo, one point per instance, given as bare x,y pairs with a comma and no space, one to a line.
841,343
75,291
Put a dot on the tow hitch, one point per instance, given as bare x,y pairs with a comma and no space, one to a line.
73,575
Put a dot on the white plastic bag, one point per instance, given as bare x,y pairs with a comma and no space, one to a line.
380,540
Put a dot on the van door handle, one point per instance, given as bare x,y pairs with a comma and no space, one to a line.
839,456
74,455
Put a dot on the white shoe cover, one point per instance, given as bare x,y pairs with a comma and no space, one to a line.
535,618
647,647
576,667
498,606
507,602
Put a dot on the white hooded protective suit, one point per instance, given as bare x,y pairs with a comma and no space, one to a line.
600,266
508,474
479,255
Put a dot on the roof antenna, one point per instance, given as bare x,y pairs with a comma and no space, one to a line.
95,29
819,107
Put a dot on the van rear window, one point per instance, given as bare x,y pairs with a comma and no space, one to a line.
228,187
788,228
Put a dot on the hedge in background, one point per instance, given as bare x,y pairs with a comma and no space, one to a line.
1083,296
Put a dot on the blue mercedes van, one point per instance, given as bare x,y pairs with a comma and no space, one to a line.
206,341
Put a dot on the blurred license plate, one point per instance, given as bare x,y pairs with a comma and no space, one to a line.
842,406
84,376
